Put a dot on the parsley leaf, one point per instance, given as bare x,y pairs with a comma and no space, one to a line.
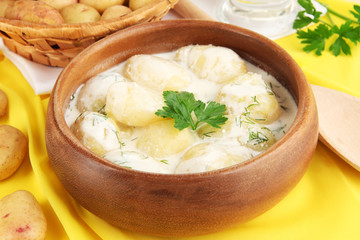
186,111
315,40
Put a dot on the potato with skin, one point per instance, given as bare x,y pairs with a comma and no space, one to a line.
101,5
59,4
34,11
115,11
21,217
136,4
13,148
4,5
80,13
162,139
3,103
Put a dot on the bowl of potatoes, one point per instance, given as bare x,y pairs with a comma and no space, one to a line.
181,127
52,32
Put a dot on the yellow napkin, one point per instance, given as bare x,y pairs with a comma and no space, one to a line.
324,205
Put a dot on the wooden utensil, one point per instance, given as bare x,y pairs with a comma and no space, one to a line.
339,113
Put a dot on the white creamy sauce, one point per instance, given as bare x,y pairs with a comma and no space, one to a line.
239,139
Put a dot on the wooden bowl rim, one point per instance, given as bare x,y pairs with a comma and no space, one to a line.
305,96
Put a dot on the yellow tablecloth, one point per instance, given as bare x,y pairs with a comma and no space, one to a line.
324,205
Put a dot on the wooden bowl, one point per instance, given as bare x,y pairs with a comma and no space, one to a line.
192,204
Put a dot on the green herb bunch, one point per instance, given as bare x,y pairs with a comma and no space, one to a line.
186,111
315,39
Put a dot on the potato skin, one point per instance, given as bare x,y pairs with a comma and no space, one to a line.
79,13
115,11
101,5
4,4
34,11
3,103
13,148
59,4
21,217
136,4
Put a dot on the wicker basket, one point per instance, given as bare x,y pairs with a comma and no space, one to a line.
56,45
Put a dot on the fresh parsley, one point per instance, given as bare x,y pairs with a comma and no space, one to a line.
315,40
186,111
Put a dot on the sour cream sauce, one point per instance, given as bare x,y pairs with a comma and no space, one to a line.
205,91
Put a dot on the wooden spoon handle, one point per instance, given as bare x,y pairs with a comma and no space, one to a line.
186,9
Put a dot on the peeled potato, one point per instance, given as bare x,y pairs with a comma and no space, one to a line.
99,133
13,148
92,95
136,4
3,103
258,100
115,11
214,63
259,138
205,157
59,4
137,161
34,11
80,13
21,217
162,139
157,73
133,105
101,5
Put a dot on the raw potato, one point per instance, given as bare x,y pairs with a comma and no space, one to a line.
59,4
101,5
115,11
3,103
34,11
136,4
4,5
21,217
13,148
80,13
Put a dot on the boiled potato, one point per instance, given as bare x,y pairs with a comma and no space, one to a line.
136,4
80,13
137,161
21,217
133,105
257,101
13,148
59,4
205,157
101,5
215,63
259,138
92,95
3,103
162,139
34,11
99,133
157,73
4,4
115,11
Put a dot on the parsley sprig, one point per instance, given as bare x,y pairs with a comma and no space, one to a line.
315,39
186,111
